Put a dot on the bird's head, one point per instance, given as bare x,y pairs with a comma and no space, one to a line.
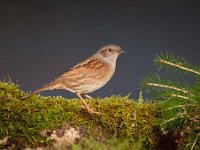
109,52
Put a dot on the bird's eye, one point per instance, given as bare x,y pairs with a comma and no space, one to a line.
110,50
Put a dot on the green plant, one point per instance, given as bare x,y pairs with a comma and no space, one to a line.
121,118
113,143
178,97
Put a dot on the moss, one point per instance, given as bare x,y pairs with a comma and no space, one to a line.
114,143
120,117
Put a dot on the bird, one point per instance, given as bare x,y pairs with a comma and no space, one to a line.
87,76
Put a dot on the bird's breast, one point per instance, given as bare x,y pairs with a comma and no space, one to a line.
88,76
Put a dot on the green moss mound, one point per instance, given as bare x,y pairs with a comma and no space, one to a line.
116,144
22,121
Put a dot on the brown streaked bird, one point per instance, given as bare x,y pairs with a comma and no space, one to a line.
88,76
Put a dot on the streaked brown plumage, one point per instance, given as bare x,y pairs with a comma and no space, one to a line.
88,76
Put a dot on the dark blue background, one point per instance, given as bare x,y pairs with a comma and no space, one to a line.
39,40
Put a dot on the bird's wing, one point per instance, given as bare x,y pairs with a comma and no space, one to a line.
88,68
88,71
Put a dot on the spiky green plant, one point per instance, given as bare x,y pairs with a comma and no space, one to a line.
179,98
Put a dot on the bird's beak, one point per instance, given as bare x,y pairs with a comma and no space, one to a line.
122,52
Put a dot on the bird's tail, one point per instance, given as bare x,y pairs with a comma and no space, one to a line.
50,86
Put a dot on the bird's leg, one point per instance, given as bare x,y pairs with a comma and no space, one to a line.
90,110
88,96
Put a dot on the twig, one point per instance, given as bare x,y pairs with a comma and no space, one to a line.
180,106
195,142
183,97
169,87
179,66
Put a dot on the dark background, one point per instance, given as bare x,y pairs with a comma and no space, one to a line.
39,40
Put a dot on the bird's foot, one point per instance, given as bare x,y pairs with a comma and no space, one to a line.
85,105
90,110
88,96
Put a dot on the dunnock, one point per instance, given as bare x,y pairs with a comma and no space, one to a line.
88,76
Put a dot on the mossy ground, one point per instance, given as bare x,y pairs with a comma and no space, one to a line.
121,120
